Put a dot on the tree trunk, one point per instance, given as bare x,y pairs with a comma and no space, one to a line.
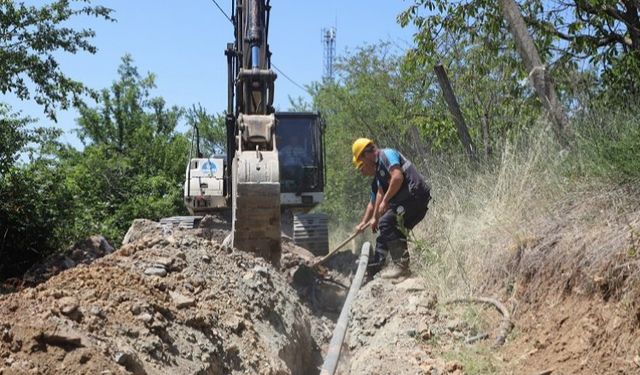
454,108
633,23
539,77
485,135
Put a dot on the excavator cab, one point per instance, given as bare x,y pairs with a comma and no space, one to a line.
300,145
299,139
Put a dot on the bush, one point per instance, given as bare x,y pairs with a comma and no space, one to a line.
34,210
607,145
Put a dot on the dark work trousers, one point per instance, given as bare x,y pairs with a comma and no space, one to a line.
410,213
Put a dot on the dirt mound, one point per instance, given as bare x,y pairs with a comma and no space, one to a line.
168,301
82,252
575,288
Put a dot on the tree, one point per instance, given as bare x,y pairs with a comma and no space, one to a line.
372,97
13,137
540,79
212,130
134,160
396,101
564,31
596,30
34,203
29,39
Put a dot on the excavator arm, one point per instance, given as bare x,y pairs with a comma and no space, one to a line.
248,179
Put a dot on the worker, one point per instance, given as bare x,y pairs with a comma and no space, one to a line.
399,201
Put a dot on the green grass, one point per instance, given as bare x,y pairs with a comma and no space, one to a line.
608,145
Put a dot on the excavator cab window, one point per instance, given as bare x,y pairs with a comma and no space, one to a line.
300,152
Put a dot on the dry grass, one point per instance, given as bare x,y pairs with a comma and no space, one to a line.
554,250
474,213
481,222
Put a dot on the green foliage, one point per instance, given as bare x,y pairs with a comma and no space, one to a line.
30,38
13,137
587,47
621,81
597,31
133,163
607,143
398,103
298,104
34,203
368,102
34,207
212,128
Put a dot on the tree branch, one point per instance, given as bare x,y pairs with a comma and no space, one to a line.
607,39
634,22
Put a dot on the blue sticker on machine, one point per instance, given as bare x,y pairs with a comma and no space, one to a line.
209,166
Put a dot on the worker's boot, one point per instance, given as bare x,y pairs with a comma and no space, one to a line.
376,262
399,265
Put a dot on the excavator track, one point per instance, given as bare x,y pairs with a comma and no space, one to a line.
311,231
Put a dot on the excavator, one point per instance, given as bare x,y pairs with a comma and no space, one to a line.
268,191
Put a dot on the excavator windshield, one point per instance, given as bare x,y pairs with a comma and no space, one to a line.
299,143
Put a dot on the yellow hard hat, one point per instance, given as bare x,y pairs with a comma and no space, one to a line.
358,146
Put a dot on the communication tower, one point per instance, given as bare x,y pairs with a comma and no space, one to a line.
329,52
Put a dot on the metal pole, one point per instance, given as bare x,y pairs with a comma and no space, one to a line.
333,354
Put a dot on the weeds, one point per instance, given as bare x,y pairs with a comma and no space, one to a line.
475,360
474,211
478,214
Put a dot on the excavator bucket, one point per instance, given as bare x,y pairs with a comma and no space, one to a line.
256,204
256,221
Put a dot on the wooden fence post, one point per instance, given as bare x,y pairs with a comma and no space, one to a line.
454,108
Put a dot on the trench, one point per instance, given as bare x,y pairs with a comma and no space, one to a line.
331,299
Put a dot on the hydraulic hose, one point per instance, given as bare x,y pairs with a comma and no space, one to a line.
333,354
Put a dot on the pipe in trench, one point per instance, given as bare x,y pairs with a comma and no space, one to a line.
333,354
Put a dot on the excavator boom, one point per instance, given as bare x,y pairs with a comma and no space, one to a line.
255,170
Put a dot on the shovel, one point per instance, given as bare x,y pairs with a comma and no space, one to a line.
305,274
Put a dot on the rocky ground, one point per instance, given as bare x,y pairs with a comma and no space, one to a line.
176,301
403,329
166,302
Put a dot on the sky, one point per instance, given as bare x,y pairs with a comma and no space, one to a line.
183,43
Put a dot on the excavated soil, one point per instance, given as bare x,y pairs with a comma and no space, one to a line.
167,302
575,289
403,329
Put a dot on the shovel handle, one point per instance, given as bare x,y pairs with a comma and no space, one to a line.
334,251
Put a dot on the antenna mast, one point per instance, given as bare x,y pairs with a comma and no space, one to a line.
329,52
